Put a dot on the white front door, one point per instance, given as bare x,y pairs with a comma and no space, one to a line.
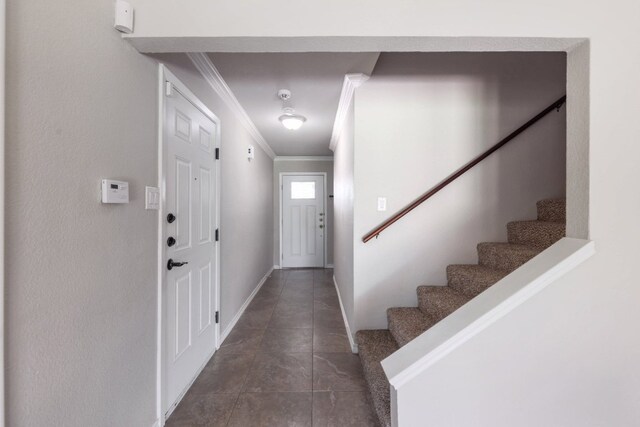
190,292
303,221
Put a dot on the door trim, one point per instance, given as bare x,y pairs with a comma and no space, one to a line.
164,75
326,200
2,216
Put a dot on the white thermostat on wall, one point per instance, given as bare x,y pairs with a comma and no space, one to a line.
115,191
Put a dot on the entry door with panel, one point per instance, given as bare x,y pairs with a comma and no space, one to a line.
190,333
303,221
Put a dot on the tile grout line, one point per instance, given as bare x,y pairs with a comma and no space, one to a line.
246,378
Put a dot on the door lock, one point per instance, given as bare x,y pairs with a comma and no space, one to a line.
171,263
170,218
171,241
321,226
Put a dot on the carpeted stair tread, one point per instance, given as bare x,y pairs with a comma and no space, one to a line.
537,234
472,279
504,256
373,347
554,210
437,302
406,323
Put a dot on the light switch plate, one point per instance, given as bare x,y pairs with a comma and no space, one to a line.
382,204
151,198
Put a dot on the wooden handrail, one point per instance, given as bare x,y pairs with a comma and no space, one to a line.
379,229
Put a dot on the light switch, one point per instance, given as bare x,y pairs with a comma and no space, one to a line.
151,198
382,204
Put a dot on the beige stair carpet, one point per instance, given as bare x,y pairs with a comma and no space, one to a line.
525,240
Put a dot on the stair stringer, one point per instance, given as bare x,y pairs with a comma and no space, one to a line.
410,361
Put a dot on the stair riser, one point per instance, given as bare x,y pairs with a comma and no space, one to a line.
406,323
470,284
437,307
552,210
539,235
503,259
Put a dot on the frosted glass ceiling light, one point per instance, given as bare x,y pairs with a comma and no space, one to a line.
289,119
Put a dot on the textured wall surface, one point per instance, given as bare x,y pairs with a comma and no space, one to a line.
81,276
306,167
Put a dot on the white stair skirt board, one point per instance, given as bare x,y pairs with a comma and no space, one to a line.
352,342
244,306
485,309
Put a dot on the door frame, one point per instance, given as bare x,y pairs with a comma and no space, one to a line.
325,202
164,75
2,190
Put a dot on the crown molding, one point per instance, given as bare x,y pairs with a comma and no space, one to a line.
217,83
303,159
351,82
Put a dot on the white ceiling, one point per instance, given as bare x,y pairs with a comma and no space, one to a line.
315,81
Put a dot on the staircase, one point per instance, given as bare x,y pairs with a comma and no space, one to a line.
526,239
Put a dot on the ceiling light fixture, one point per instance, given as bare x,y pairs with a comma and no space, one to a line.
289,119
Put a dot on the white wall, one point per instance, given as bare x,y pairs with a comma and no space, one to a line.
417,120
343,176
246,240
81,277
304,166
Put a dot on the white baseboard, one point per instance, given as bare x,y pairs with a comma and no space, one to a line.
244,306
352,342
329,266
276,267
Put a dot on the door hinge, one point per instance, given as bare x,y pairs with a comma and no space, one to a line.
168,89
217,234
217,317
217,154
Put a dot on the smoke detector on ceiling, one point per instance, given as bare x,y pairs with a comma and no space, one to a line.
284,94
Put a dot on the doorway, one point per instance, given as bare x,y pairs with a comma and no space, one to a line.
188,245
303,220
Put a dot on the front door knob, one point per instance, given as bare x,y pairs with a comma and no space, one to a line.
171,263
171,241
170,218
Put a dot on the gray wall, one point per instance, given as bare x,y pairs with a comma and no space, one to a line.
302,166
418,119
80,276
343,215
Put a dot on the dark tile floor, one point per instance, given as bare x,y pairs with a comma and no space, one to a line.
287,362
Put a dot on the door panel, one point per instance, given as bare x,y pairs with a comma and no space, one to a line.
189,292
303,220
205,297
182,315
